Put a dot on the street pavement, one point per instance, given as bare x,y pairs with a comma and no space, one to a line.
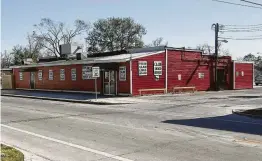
193,127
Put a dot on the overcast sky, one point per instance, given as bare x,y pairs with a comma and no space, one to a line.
180,22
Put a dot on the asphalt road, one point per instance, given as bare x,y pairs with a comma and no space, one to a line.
192,128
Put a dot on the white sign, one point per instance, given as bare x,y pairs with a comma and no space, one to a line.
157,68
62,74
73,74
51,74
40,74
122,73
95,72
86,72
142,67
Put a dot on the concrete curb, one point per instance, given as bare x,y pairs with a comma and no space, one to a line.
240,112
64,100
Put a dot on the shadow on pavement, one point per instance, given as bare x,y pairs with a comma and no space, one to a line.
232,122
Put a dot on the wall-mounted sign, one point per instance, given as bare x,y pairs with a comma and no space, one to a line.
179,77
122,73
50,75
142,68
86,72
157,67
95,72
40,75
62,74
73,74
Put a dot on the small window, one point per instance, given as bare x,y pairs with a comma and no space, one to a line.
20,75
157,68
142,68
237,74
242,73
40,75
122,73
73,74
201,75
62,74
51,75
179,77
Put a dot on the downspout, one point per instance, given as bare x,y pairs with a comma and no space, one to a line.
253,75
131,75
166,70
234,68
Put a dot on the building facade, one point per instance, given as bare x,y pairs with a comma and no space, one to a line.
137,71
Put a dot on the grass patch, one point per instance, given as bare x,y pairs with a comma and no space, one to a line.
10,154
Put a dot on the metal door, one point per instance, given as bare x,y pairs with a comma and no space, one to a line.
109,83
32,80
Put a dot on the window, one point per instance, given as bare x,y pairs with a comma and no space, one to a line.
237,74
242,73
20,76
201,75
179,77
73,74
86,72
122,73
62,74
157,67
51,75
40,75
142,68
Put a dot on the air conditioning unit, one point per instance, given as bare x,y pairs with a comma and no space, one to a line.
68,49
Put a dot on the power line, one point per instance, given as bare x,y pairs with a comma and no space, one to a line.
241,30
231,38
237,4
257,25
259,4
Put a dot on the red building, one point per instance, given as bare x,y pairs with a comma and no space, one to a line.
137,71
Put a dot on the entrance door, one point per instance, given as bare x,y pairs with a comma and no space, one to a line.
109,83
32,80
221,78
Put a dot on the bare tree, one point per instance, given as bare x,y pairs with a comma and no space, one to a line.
51,34
157,42
33,49
6,59
210,50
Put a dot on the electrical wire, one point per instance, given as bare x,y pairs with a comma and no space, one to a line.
237,4
259,4
231,38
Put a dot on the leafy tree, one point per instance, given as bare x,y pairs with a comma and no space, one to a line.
18,55
50,34
115,34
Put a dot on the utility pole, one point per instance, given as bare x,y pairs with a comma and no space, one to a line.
216,54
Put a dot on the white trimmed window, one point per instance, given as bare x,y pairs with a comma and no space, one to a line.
157,67
142,68
73,74
86,72
122,73
20,75
40,75
62,74
50,75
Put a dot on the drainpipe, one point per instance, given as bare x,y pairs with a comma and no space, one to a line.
166,71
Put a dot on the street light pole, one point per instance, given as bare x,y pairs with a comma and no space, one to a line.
216,54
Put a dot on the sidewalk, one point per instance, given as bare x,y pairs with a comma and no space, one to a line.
74,97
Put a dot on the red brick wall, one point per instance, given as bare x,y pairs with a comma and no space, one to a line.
246,81
25,83
148,81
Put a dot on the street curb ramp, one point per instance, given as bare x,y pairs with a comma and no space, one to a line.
64,100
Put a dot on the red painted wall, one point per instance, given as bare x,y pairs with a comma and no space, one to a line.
124,86
189,68
148,81
246,81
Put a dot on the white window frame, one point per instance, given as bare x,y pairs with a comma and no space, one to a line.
122,73
73,74
40,75
156,68
21,76
141,65
86,72
50,76
62,74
